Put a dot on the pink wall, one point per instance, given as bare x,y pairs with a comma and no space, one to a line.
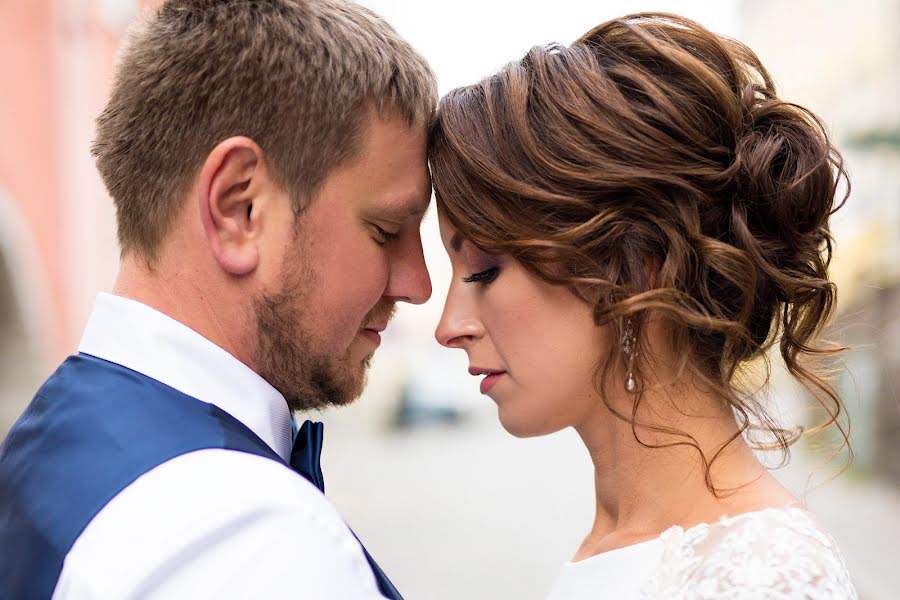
28,150
56,60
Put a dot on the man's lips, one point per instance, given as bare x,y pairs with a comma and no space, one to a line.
492,376
373,333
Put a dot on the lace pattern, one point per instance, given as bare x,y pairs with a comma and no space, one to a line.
773,554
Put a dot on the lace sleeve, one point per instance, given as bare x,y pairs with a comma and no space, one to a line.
776,554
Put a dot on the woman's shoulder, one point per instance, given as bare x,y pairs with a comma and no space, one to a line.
772,553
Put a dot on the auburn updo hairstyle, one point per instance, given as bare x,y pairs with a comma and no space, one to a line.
651,168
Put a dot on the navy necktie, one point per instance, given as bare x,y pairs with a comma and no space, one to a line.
305,459
307,452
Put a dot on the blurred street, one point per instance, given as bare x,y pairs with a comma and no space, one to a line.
484,515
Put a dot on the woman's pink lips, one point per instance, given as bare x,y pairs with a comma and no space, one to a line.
493,376
490,381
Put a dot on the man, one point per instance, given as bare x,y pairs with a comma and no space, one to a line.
267,163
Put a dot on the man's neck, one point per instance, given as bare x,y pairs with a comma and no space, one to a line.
183,293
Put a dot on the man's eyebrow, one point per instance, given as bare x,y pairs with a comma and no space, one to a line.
418,207
408,207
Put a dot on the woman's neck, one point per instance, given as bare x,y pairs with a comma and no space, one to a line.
641,491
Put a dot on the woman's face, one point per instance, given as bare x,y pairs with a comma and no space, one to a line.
533,345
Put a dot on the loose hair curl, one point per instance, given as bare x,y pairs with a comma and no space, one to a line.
652,141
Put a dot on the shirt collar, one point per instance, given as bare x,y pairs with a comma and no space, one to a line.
145,340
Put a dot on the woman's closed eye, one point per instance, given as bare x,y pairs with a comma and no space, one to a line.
486,276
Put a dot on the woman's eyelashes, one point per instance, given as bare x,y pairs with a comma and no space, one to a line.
486,276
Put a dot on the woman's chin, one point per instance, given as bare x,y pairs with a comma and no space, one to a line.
526,426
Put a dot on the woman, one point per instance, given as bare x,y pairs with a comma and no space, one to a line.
633,221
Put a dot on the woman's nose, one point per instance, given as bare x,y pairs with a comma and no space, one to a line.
456,329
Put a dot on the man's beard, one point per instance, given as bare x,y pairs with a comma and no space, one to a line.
289,356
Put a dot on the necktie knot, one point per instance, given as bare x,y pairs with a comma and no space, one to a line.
307,453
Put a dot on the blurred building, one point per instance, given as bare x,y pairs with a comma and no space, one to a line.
842,60
57,234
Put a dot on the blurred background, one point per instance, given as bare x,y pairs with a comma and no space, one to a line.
451,505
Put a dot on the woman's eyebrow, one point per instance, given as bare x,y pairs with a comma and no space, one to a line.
456,242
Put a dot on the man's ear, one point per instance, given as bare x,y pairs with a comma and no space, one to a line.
232,176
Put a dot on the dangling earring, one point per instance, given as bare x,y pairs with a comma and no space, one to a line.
629,347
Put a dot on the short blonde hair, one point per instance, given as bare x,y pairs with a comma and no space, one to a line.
296,76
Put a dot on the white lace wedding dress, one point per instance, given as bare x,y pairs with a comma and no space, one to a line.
772,554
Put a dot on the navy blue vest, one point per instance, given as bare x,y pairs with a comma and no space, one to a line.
91,430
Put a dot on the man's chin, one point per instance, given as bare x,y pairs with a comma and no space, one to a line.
358,380
317,382
348,382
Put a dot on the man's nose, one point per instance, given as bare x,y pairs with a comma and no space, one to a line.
409,279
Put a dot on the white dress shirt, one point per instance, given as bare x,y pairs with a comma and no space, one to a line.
212,523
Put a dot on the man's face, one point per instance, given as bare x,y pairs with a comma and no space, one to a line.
355,252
